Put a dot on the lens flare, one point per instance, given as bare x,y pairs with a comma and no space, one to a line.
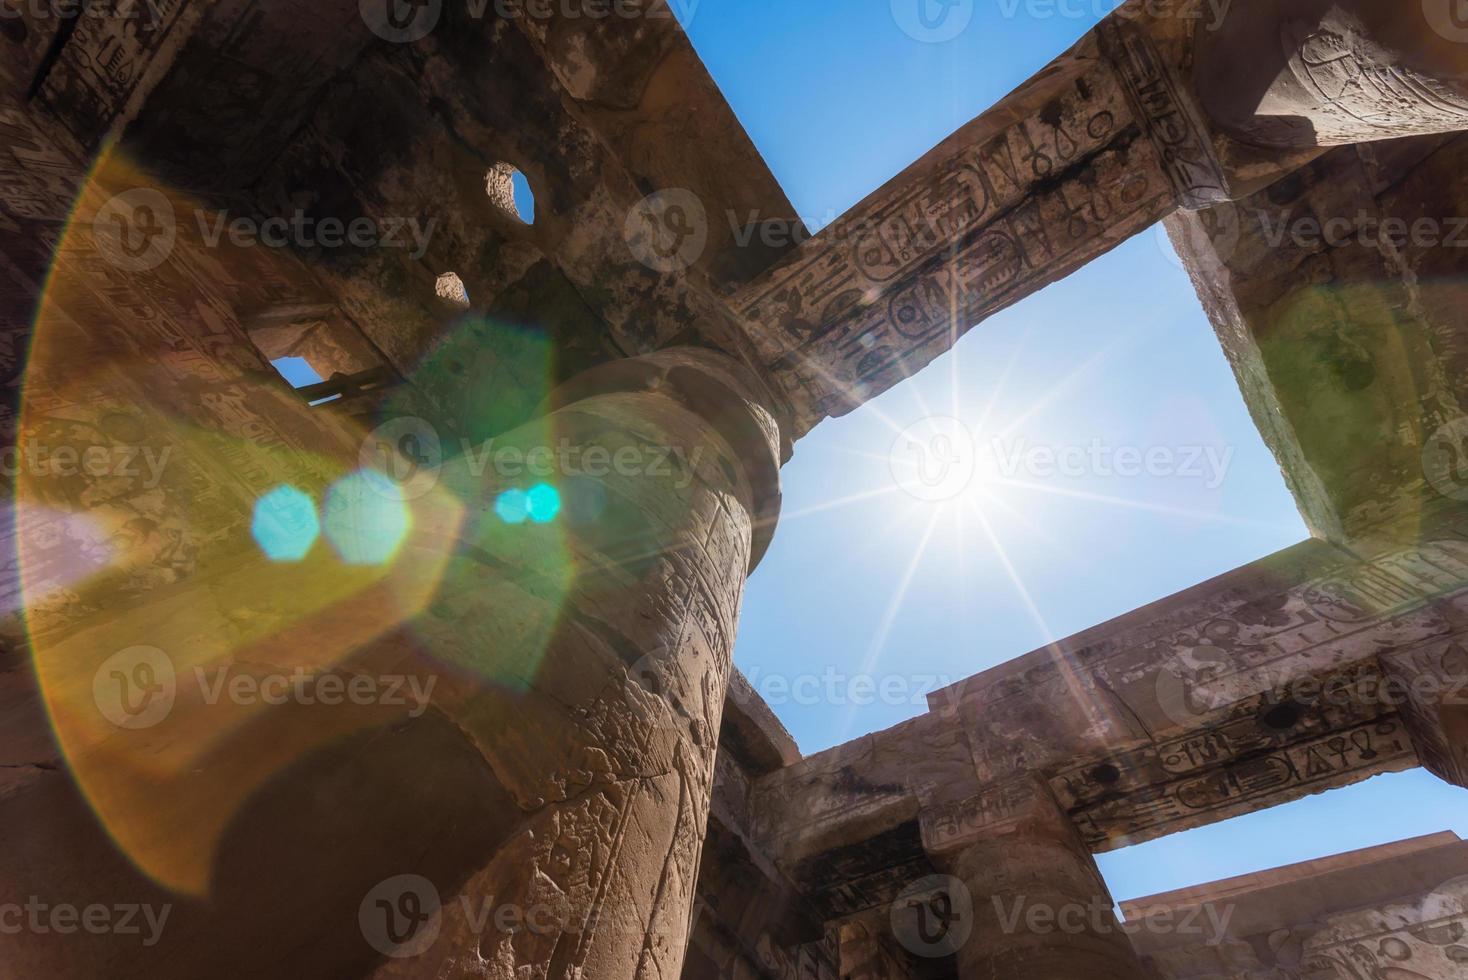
285,525
513,506
366,519
543,503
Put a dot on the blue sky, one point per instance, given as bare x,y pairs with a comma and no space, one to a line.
862,607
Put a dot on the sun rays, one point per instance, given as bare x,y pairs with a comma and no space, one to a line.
923,476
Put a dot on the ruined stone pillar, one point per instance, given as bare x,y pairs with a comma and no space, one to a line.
1040,908
1302,73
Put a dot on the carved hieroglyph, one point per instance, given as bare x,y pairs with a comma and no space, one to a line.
608,745
1327,72
1097,147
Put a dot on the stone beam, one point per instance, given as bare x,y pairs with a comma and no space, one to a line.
1100,145
1306,671
1142,118
1396,910
1239,694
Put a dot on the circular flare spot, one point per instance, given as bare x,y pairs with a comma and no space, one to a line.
366,519
285,525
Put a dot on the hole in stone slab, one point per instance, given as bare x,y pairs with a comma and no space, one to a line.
451,290
1282,717
510,191
1106,774
301,374
321,354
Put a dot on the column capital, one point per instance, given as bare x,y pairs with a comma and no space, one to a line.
726,393
997,810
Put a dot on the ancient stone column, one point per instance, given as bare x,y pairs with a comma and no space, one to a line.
1301,73
607,741
486,749
1040,908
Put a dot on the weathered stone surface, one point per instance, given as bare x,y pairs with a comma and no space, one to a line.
1283,679
585,787
1395,910
1331,293
1325,72
1050,178
1040,908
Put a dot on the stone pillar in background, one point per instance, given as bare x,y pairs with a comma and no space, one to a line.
1302,73
1040,908
865,954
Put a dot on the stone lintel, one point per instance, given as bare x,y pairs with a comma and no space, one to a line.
1401,909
